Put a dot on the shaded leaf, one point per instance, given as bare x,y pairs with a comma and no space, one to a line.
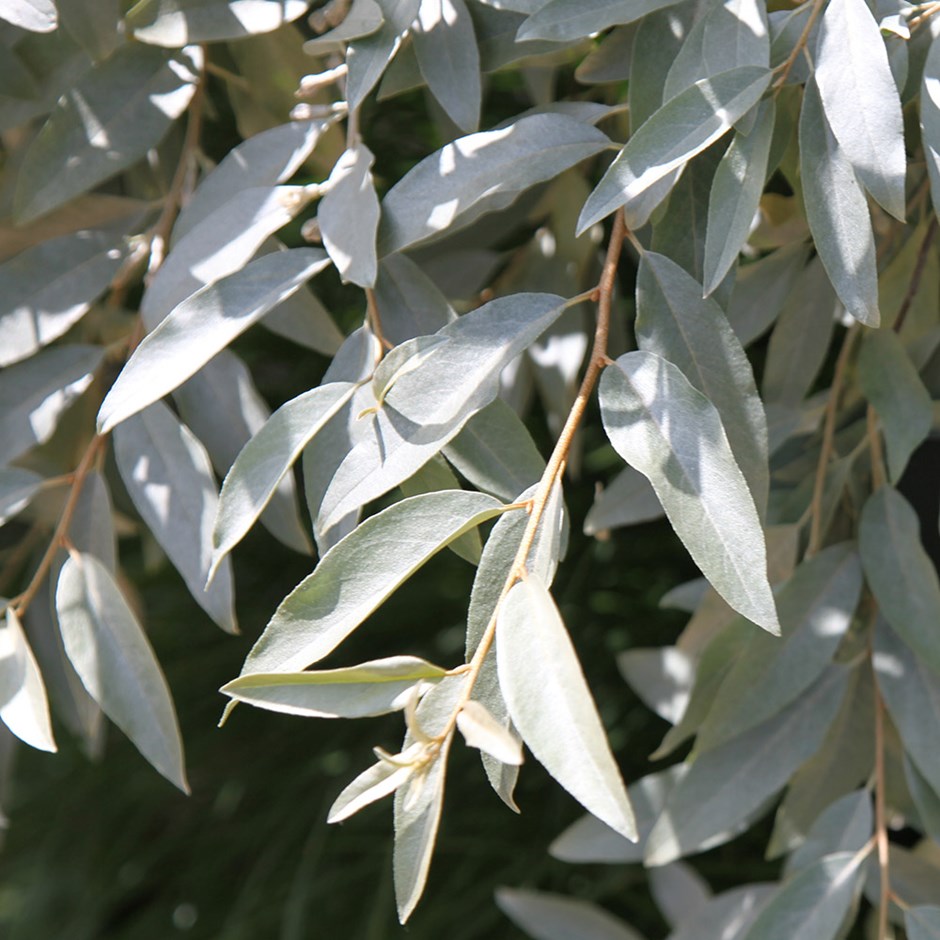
169,478
930,120
552,707
110,652
17,488
679,130
408,301
546,916
922,923
661,676
359,573
201,326
845,826
23,705
628,499
566,20
728,915
102,125
660,424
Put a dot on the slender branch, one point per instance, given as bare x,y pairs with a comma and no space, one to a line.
23,600
825,450
556,462
878,475
916,275
785,67
375,320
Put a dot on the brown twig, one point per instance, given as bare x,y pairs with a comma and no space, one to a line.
786,66
878,475
375,320
825,450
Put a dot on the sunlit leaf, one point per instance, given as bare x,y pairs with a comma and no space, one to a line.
23,705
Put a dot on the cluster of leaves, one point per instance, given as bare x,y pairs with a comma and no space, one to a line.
777,189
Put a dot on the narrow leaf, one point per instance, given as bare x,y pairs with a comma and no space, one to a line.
922,923
551,704
17,488
660,424
359,573
679,130
930,120
24,708
202,326
567,20
546,916
110,652
728,915
481,730
378,781
626,500
39,16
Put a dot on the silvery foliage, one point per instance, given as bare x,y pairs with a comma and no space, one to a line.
778,173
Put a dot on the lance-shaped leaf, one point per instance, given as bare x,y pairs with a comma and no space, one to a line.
219,245
38,16
409,302
815,607
360,572
428,406
35,393
675,322
861,99
376,782
446,47
482,730
546,916
728,915
102,125
837,212
567,20
372,688
176,23
728,783
368,55
266,159
17,488
453,184
349,217
845,826
925,798
626,500
679,130
930,120
661,676
24,708
169,478
911,692
94,24
111,654
49,288
669,431
813,902
266,458
900,573
922,923
362,18
735,196
551,705
202,326
679,891
891,383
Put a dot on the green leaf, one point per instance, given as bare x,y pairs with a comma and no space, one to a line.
268,158
356,576
661,676
203,325
726,784
610,59
735,196
930,120
568,20
169,478
446,47
664,427
925,798
546,916
49,288
890,382
588,840
922,923
900,574
39,16
628,499
861,100
109,120
23,705
728,915
837,212
659,38
692,333
427,407
372,688
481,172
551,705
911,693
110,652
815,607
348,216
409,302
362,18
812,903
266,458
680,892
94,24
176,23
17,488
378,781
483,730
222,407
845,826
679,130
35,393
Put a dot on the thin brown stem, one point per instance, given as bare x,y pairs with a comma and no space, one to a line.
785,67
23,600
556,462
375,319
916,275
878,475
825,450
